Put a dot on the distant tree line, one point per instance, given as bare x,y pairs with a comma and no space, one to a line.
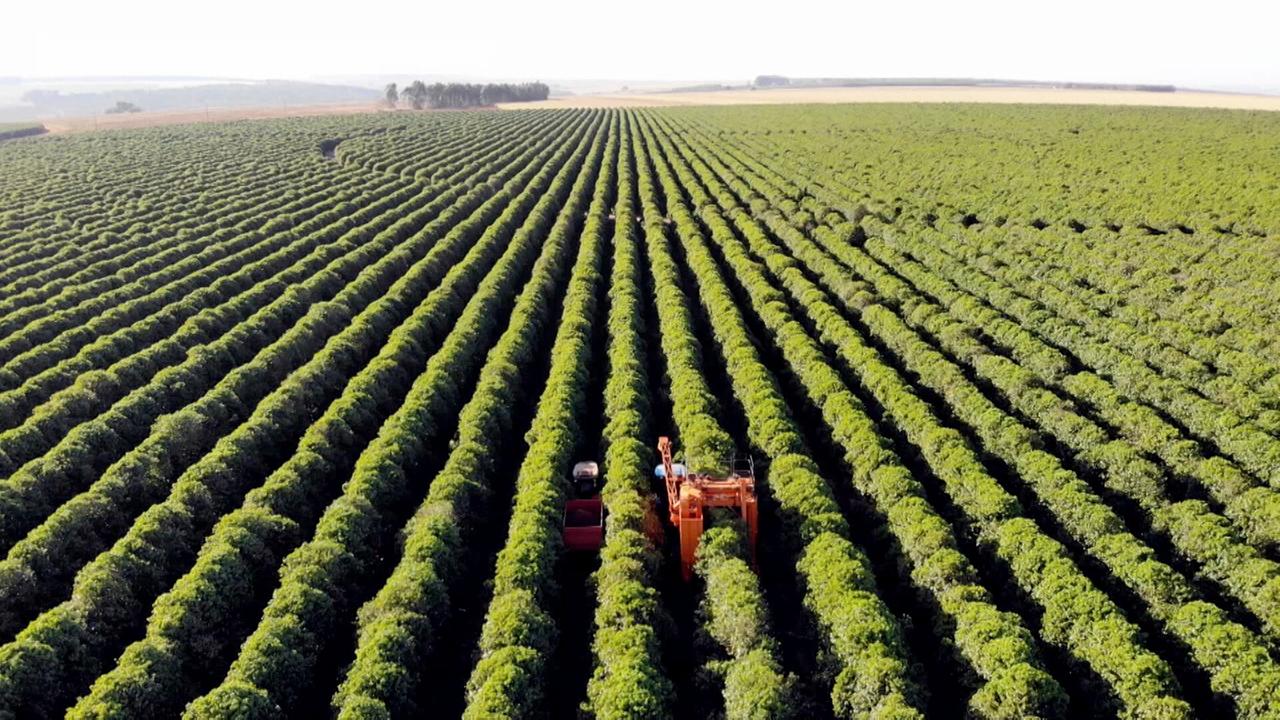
9,131
419,95
771,81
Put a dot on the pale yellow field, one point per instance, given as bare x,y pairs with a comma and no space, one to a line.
915,94
725,97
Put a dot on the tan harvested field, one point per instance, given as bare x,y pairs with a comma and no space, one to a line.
149,119
780,96
915,94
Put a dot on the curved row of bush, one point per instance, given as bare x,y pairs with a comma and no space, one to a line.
1041,167
1253,509
34,325
162,348
1240,669
628,680
75,460
1235,660
1248,445
43,371
323,580
38,252
398,628
1062,292
733,613
700,435
111,260
124,259
995,651
1196,532
1238,381
755,678
865,644
414,150
124,184
171,447
1091,340
115,294
62,332
1155,289
1214,306
95,258
211,485
1183,284
136,235
519,633
167,669
38,483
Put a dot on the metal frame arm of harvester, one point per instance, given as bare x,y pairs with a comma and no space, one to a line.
688,493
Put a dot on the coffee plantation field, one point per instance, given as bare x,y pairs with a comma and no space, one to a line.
288,411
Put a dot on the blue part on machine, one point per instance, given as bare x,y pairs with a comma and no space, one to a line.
681,470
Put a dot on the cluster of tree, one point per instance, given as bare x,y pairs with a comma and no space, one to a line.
419,95
10,131
771,81
121,107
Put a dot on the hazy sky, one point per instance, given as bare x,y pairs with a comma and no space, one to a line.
1221,42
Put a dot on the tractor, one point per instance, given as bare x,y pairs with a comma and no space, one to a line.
584,513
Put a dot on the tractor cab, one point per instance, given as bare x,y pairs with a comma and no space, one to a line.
586,479
678,470
583,523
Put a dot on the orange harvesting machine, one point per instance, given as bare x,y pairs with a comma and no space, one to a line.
689,493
